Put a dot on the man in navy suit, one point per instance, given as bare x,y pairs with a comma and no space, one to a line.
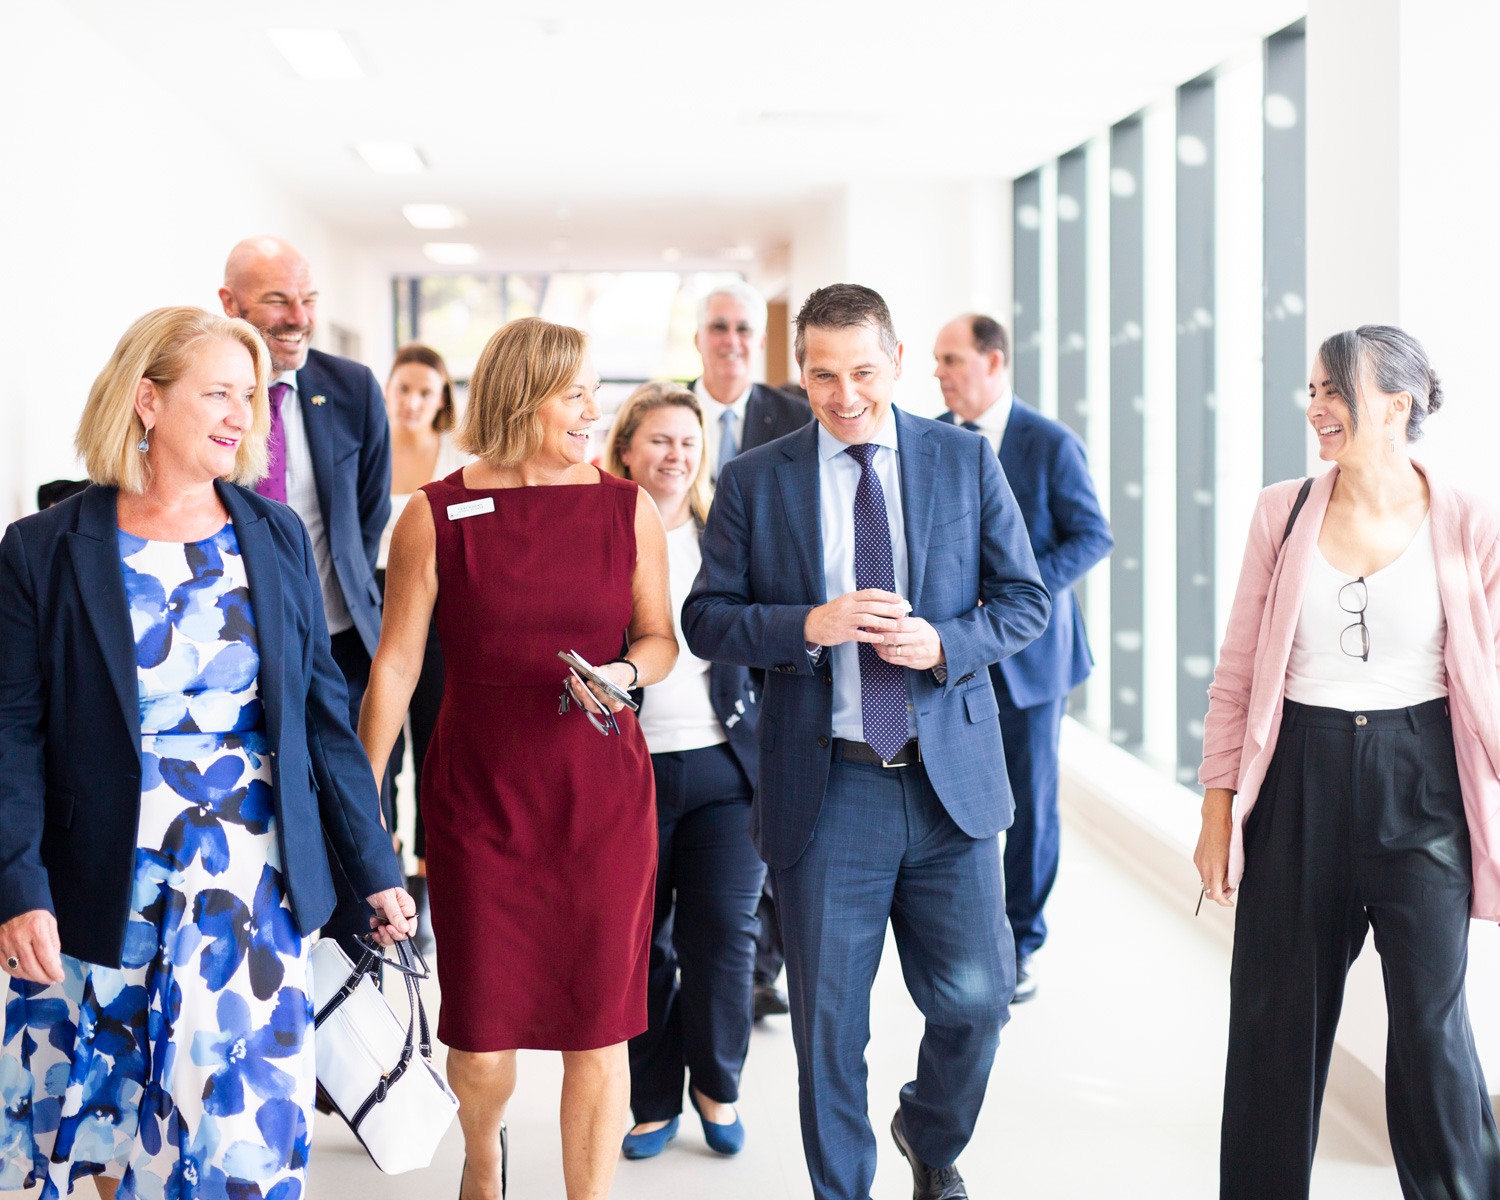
330,450
739,415
1044,463
874,564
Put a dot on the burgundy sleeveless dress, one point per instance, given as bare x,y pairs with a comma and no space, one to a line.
541,832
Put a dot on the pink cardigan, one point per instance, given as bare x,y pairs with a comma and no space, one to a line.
1245,699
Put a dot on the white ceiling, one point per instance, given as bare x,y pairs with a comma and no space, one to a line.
607,129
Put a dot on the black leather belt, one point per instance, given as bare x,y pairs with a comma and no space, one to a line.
846,751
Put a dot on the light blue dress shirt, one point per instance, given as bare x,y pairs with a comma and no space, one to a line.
838,477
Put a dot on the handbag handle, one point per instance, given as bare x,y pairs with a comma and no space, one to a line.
408,960
412,967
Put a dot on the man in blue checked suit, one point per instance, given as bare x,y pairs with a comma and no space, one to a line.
875,564
1045,465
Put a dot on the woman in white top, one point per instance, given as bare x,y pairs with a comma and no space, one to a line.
1353,712
419,401
699,723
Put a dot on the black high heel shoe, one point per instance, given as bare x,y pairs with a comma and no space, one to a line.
504,1164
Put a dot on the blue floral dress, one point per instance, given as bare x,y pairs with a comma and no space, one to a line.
187,1072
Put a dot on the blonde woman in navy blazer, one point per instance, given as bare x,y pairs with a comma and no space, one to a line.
176,762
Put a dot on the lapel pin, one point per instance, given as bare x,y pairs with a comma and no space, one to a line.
320,400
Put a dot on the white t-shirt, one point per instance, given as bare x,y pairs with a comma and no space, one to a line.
678,713
1407,632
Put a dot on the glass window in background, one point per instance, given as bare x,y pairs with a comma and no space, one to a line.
640,323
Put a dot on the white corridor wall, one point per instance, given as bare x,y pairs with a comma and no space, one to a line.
120,195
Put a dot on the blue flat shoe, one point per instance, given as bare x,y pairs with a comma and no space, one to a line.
649,1145
721,1139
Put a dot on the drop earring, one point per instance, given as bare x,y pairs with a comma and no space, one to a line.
145,443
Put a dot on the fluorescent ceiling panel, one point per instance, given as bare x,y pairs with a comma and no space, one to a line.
434,216
452,254
391,158
319,54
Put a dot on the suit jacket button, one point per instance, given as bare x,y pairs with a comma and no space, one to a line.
828,679
823,741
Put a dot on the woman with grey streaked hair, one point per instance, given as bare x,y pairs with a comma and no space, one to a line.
1350,782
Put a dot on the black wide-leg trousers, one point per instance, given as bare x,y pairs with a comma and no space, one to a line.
1360,824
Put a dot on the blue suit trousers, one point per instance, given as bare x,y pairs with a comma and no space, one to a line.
1033,840
885,849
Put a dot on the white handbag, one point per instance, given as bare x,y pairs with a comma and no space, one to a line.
375,1072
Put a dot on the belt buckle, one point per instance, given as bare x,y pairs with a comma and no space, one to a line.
905,762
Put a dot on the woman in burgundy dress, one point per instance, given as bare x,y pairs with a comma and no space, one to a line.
541,833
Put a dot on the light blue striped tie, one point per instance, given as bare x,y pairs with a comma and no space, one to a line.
728,446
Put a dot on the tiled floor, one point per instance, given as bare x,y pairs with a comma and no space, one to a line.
1106,1085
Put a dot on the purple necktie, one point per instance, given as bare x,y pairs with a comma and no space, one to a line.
273,486
882,685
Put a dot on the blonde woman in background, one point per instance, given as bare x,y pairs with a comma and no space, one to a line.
700,725
419,402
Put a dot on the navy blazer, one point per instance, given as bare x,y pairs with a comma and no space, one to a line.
770,413
972,575
349,436
70,735
1045,463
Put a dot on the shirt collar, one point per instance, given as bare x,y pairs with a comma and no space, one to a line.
287,377
996,417
713,410
829,447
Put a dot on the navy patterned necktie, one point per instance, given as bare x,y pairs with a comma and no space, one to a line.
972,426
882,685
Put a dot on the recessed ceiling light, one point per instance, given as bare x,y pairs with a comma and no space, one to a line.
671,254
452,254
317,53
434,216
391,158
740,253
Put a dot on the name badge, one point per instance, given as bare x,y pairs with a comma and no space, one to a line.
471,508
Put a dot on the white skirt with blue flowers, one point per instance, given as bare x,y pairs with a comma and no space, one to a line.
188,1071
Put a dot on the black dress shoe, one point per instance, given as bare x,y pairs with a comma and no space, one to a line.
1025,982
768,1001
928,1183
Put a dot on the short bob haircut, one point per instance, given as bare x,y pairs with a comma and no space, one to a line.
525,364
425,356
647,399
160,347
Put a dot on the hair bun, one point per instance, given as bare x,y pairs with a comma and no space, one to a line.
1434,394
